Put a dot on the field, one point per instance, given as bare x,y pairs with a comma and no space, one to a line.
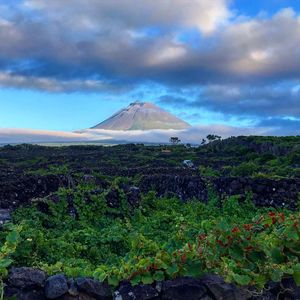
137,213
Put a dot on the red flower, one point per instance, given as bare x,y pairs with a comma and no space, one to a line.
282,216
272,214
183,258
221,243
296,224
248,227
202,236
235,230
249,248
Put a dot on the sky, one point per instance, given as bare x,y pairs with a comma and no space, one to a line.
68,65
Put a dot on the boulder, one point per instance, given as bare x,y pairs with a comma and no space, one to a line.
218,289
26,278
183,288
142,292
5,216
94,288
113,198
73,290
56,286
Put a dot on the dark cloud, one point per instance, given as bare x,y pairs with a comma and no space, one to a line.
109,40
274,100
282,126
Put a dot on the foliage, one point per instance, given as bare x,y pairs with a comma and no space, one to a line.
163,238
8,247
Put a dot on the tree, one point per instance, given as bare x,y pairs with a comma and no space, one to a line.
213,137
174,140
203,142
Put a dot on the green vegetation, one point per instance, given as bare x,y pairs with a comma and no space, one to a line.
7,249
77,233
254,156
163,238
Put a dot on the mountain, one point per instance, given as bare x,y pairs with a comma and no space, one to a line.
142,116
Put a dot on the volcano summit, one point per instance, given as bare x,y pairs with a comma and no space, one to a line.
142,116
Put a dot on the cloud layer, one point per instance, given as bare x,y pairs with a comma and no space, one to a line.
192,135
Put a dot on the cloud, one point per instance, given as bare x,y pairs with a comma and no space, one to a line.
191,135
282,126
261,101
239,66
35,136
54,85
206,15
112,40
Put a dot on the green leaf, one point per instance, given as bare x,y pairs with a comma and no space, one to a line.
256,256
147,278
5,262
172,270
293,235
113,280
159,276
194,269
276,275
12,237
296,274
242,279
236,252
260,281
100,275
136,280
277,255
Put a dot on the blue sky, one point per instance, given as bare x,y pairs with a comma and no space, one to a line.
233,63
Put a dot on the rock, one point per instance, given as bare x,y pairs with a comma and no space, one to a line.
94,288
291,290
140,292
188,164
26,278
31,295
133,195
89,179
112,198
73,291
183,288
56,286
4,216
184,187
19,294
220,290
265,296
80,296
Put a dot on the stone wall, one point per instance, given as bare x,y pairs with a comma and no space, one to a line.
34,284
266,192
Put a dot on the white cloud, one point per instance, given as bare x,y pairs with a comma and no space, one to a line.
50,84
191,135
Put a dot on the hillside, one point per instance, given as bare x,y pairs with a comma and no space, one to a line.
142,116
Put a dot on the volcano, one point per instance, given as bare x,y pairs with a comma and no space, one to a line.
142,116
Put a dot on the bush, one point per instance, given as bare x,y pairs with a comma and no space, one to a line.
164,238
